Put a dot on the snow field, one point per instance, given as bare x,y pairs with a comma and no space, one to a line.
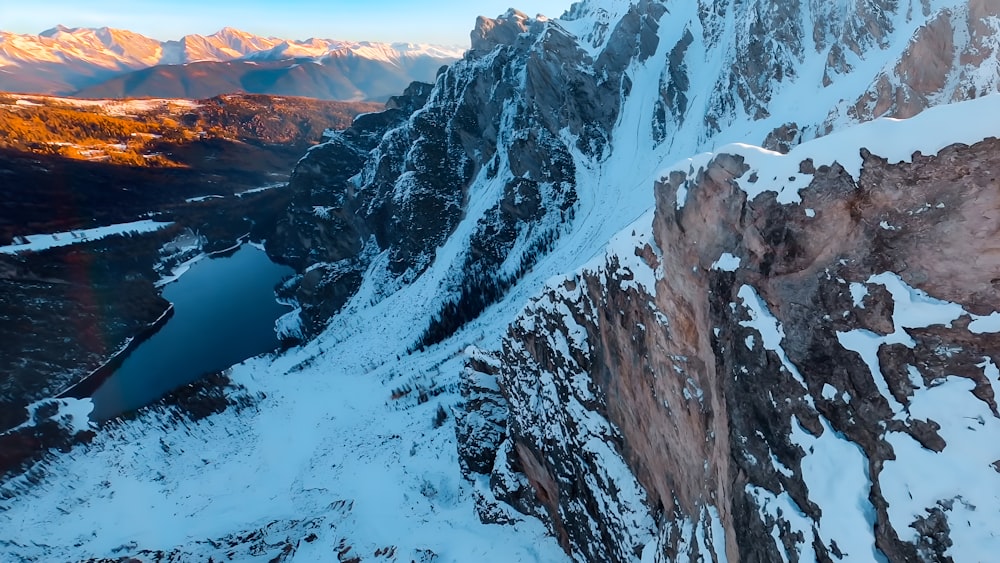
36,243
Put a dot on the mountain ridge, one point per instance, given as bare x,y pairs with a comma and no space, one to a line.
79,61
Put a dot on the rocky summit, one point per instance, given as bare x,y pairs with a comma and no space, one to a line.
709,280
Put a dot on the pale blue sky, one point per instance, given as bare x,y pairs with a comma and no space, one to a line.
431,21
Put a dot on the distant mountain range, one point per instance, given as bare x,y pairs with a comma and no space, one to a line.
109,63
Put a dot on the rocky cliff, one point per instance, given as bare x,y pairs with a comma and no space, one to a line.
784,381
391,190
753,378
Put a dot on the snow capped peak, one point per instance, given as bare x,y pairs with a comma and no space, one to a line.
52,32
437,51
233,32
515,14
243,42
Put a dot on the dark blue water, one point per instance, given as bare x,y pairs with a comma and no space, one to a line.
224,313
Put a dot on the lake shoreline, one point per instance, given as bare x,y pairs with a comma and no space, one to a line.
224,311
92,381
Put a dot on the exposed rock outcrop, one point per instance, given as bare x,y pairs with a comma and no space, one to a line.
955,56
504,30
325,231
776,339
387,197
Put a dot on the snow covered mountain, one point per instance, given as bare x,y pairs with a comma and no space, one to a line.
70,60
564,286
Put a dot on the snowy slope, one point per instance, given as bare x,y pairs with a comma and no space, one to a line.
36,243
293,469
333,453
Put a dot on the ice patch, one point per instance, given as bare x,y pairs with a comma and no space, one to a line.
783,507
866,343
836,472
72,414
770,330
912,308
858,294
919,479
727,263
985,325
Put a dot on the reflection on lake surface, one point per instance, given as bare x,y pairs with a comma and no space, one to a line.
224,313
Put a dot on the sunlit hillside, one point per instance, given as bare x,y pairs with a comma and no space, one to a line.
145,132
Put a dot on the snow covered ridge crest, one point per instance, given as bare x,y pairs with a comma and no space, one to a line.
890,139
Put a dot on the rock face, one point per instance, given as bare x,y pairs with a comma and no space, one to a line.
779,348
953,57
325,231
490,33
384,195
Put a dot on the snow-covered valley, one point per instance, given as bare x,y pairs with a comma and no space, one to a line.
693,347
